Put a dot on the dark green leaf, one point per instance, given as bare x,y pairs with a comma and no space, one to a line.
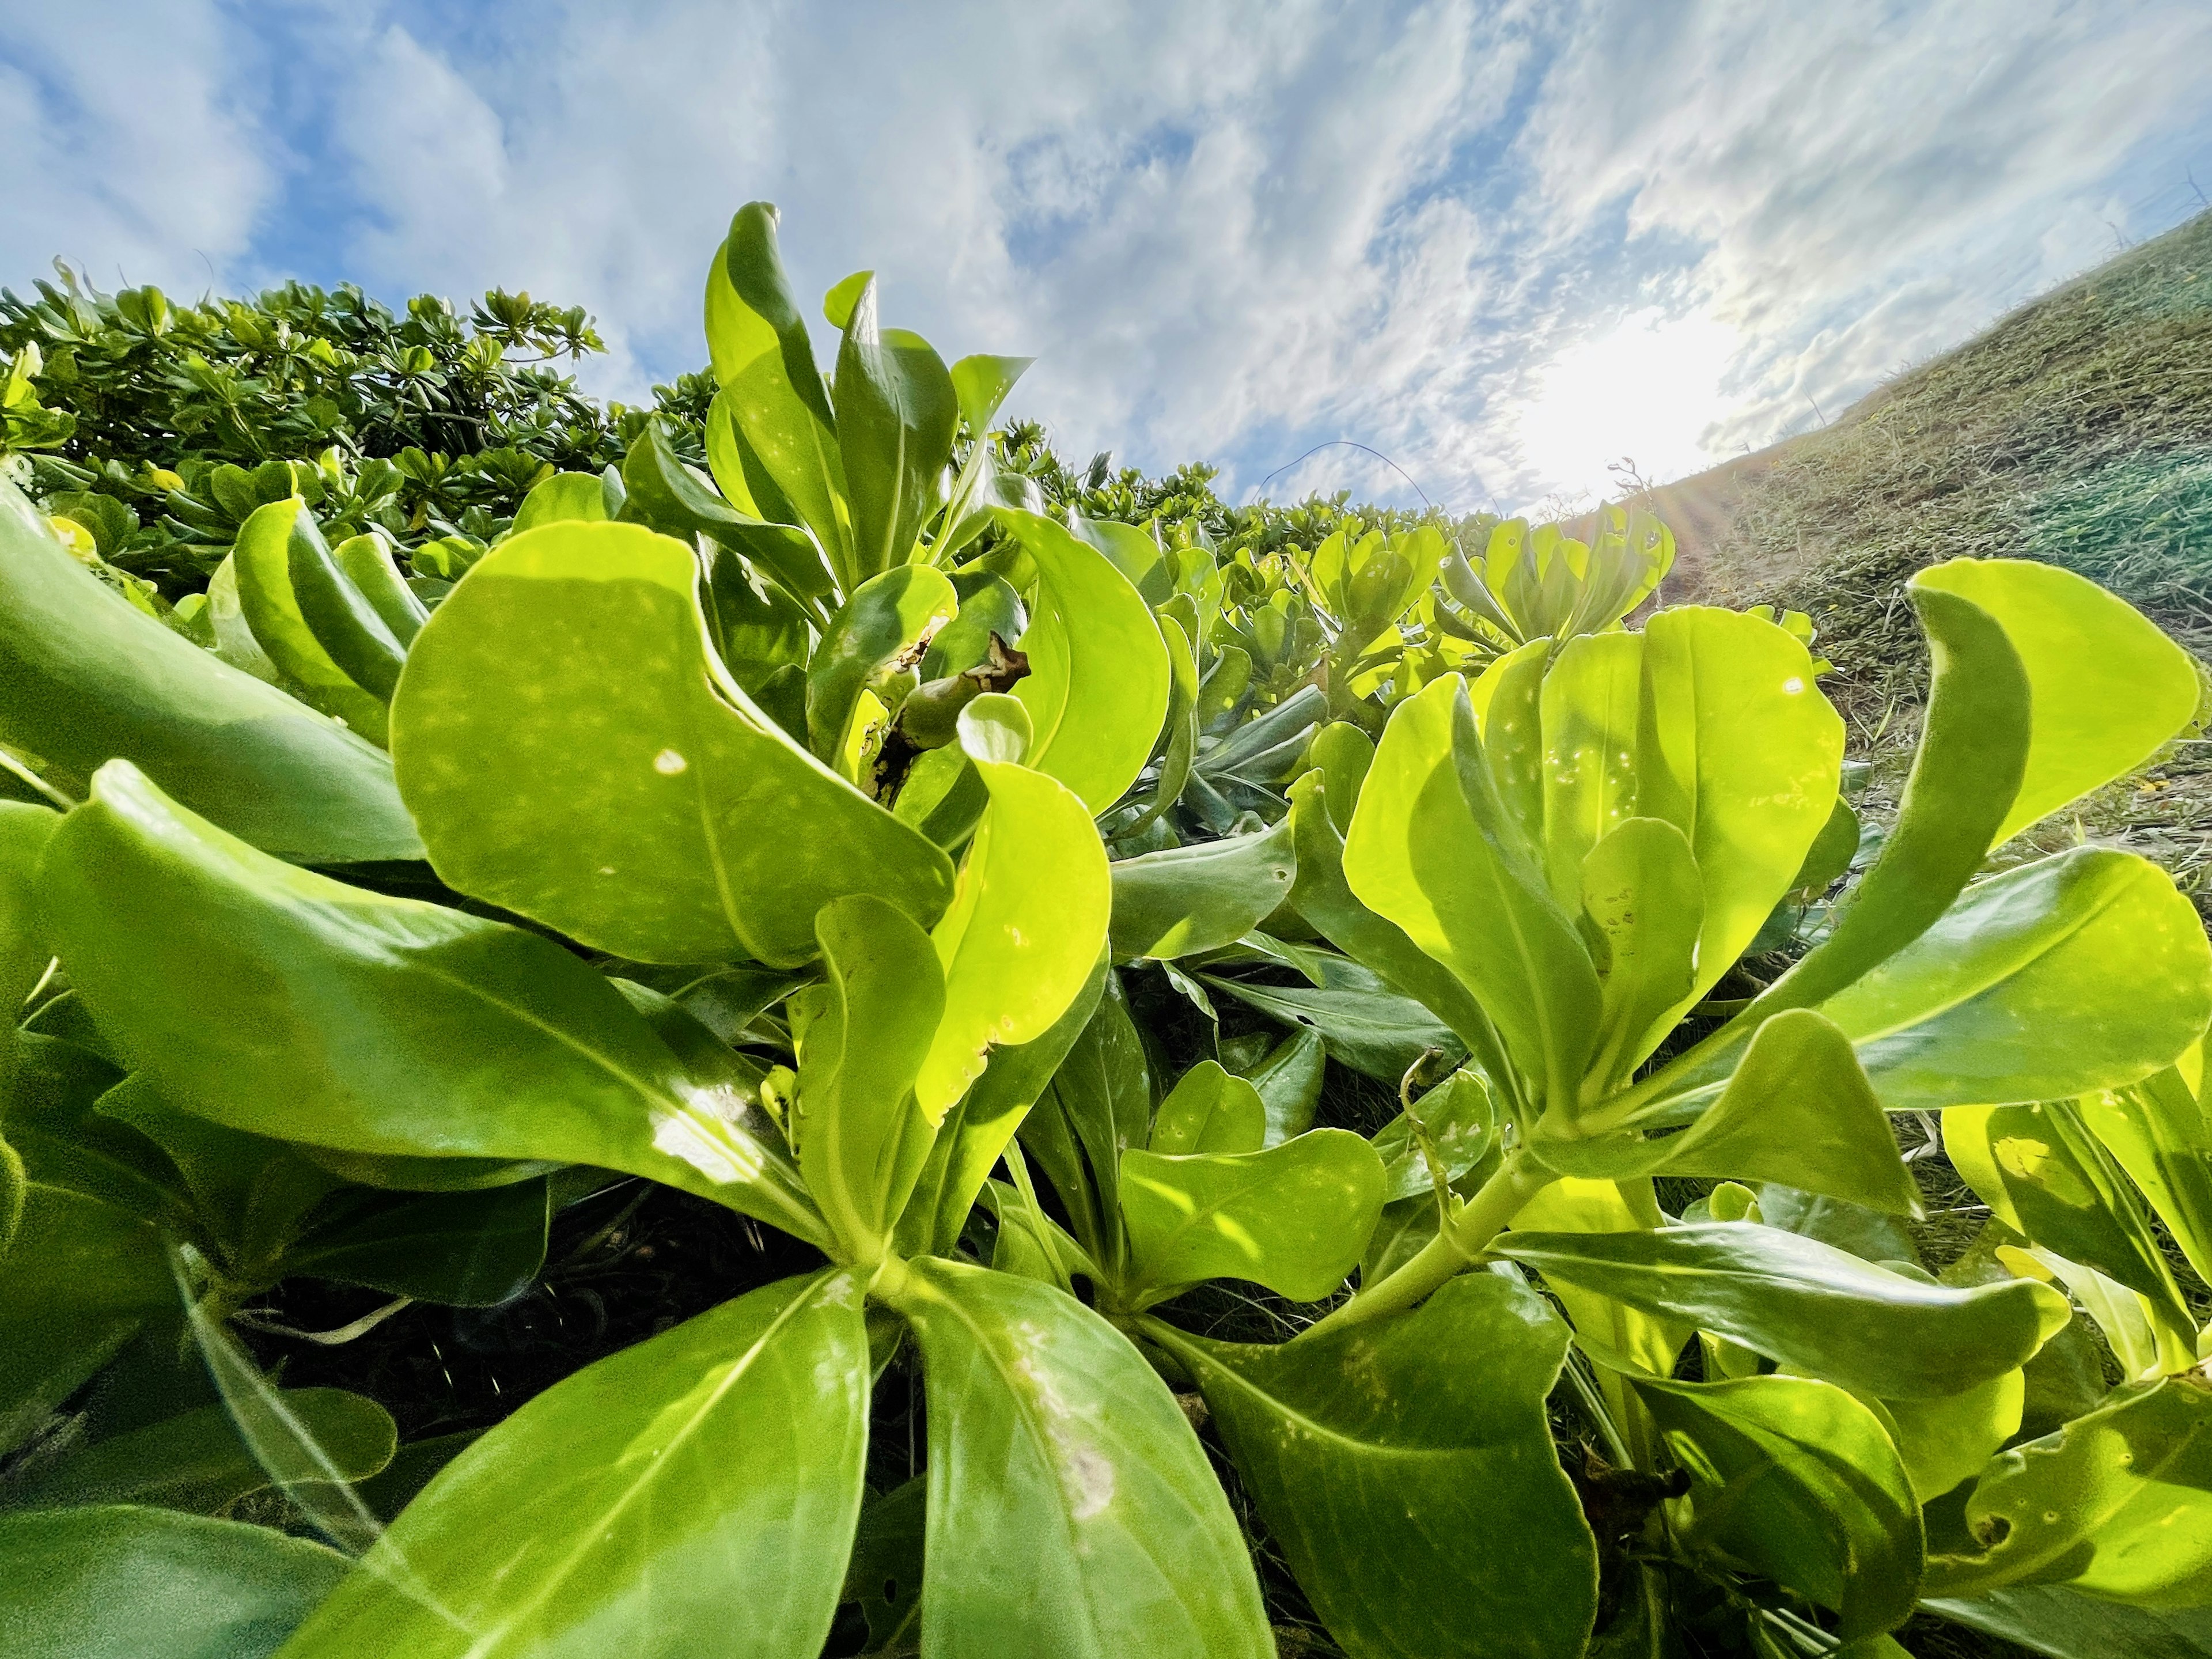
1187,900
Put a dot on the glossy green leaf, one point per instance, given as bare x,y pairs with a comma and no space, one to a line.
322,658
1341,753
1798,1481
625,790
1810,1307
1363,1022
1181,724
563,495
2116,1504
1289,1080
2042,1173
1209,1111
2084,971
1459,1123
2158,1131
1406,1471
982,383
897,412
1026,925
382,1025
79,1279
471,1249
1098,681
1944,1442
1613,1331
631,1507
367,563
197,1462
1295,1217
1184,900
85,677
1640,890
1798,1110
2107,687
861,1138
885,618
1432,848
1100,1105
104,1582
669,496
1590,703
1321,897
1740,751
2064,1624
23,953
1072,1512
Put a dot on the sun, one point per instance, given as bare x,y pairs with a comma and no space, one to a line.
1647,390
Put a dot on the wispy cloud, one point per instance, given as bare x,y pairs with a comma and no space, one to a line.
1504,242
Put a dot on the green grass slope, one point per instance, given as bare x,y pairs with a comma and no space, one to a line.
2077,430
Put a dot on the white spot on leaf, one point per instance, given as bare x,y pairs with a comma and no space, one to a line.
668,763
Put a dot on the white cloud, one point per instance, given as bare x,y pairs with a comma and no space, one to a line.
1229,232
129,151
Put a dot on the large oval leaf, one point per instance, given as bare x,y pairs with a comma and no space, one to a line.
1072,1512
897,412
100,1584
289,1005
1295,1217
623,789
1806,1304
632,1507
84,678
1407,1469
1186,900
1098,680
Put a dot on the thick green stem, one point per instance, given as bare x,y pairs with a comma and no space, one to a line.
1485,1216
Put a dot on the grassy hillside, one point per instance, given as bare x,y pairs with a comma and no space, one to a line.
2078,429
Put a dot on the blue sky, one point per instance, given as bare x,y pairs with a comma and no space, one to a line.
1505,243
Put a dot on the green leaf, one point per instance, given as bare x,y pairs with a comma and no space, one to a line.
897,413
2158,1131
2107,687
1026,925
842,295
2042,1173
79,1279
886,616
1072,1512
1944,1442
98,1583
672,498
1590,703
1289,1080
1184,900
196,1461
2065,1624
631,1507
1461,1121
884,1575
367,563
2116,1504
1798,1481
2084,971
1321,896
1341,753
1364,1024
1611,1331
1740,751
1433,849
1798,1110
1098,681
84,678
1209,1111
1642,890
861,1138
982,383
563,495
1295,1217
625,790
464,1249
1810,1307
277,565
1181,724
23,954
1100,1105
1406,1469
382,1025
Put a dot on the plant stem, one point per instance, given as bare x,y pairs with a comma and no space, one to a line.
1485,1216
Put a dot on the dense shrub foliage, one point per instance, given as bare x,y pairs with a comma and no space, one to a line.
816,799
